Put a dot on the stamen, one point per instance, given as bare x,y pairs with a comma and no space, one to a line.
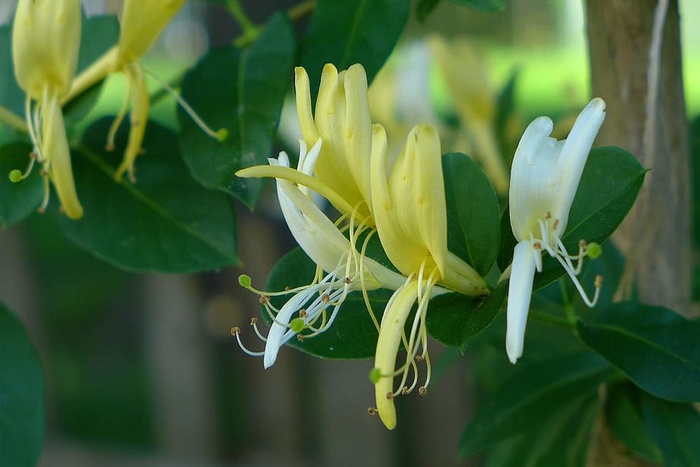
372,411
236,332
220,135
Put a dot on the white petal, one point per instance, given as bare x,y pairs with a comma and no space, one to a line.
519,292
573,157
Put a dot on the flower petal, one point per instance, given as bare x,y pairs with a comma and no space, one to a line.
519,291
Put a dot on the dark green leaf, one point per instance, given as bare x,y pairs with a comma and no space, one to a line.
11,96
482,5
242,91
352,335
472,210
345,32
562,441
609,186
675,428
655,347
533,395
21,395
424,8
455,319
165,222
18,200
623,415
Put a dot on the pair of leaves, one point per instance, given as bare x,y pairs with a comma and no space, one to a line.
21,395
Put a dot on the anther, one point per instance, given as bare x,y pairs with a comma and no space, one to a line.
404,390
372,411
582,244
300,338
547,215
422,391
537,246
556,223
264,299
389,395
302,313
253,321
598,281
326,298
235,330
347,280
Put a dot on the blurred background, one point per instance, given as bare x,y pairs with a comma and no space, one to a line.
142,370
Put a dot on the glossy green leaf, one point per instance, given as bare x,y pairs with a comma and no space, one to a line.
482,5
18,200
352,335
424,8
345,32
609,187
242,91
165,222
655,347
676,430
472,210
623,415
21,395
529,396
99,34
455,319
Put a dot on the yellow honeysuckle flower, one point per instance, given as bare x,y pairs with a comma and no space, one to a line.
45,46
410,211
544,180
141,23
343,122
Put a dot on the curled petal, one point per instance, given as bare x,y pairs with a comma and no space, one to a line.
519,290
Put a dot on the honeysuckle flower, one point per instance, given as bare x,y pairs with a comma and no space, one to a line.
142,21
342,258
45,46
544,179
410,211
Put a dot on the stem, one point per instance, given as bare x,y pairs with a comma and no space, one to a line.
551,319
250,30
299,11
12,120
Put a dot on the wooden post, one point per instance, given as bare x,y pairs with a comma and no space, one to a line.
640,79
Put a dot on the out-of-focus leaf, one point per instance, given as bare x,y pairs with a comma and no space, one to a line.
21,395
482,5
424,8
18,200
655,347
241,90
352,335
530,395
11,96
676,430
623,415
455,319
165,222
345,32
472,210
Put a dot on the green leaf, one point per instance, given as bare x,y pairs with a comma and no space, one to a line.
454,319
623,414
242,91
352,335
11,96
165,222
18,200
424,8
531,396
562,441
472,210
345,32
99,34
21,395
655,347
609,187
482,5
675,428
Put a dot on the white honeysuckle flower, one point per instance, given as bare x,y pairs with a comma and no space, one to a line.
342,258
544,179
